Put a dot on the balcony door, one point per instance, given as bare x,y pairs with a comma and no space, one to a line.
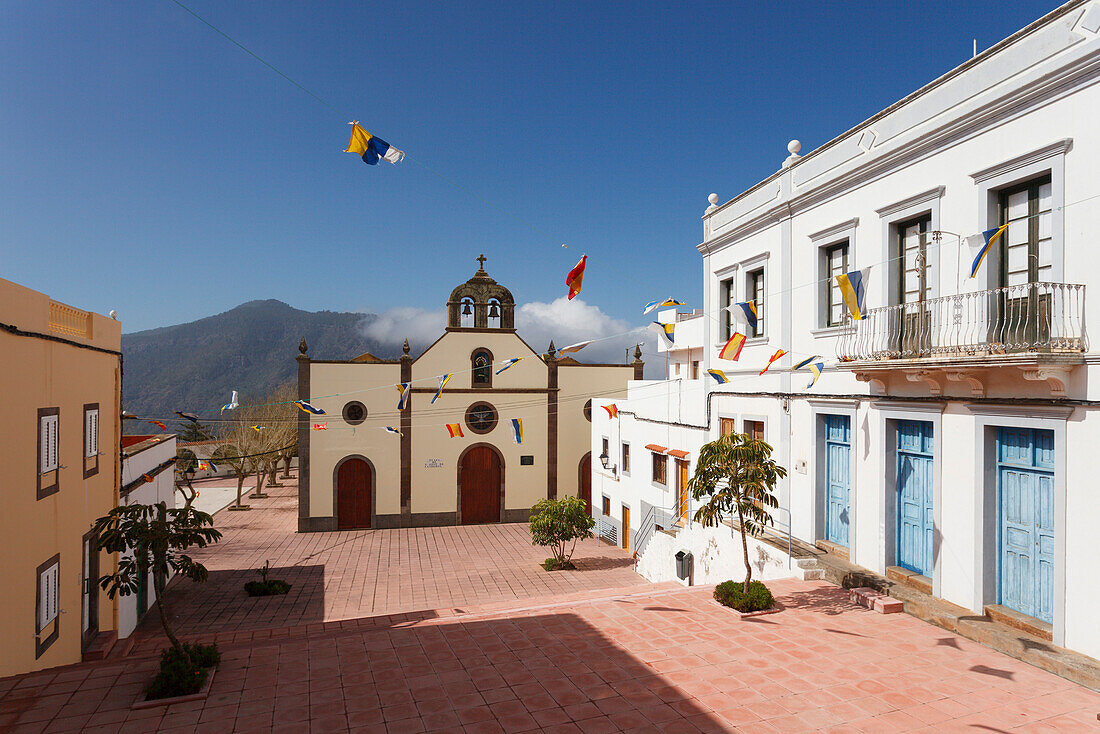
1026,250
914,287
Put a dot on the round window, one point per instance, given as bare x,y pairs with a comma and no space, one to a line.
588,411
355,412
481,417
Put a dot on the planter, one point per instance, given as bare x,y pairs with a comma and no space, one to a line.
550,565
200,695
743,615
274,587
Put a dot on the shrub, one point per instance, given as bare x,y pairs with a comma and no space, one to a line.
183,670
266,588
733,594
559,524
553,564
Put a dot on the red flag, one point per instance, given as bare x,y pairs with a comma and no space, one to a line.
778,354
576,277
159,425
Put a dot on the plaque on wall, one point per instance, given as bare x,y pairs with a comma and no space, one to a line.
433,464
527,461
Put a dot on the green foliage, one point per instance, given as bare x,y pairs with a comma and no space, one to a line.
153,539
195,366
552,564
733,594
560,524
737,477
183,671
188,431
273,587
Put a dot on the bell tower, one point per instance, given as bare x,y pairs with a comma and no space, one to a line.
484,299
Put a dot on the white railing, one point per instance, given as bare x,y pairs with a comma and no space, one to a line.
1032,317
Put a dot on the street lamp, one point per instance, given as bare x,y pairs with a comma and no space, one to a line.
606,460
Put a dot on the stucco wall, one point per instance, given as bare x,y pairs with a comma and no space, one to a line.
717,555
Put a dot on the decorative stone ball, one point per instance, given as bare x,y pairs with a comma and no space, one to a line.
793,147
713,199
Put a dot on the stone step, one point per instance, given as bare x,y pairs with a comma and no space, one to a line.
100,646
868,598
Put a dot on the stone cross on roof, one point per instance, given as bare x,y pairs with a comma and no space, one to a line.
481,261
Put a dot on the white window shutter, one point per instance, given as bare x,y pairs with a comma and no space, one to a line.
48,437
47,596
91,431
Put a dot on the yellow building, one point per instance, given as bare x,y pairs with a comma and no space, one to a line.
59,458
356,474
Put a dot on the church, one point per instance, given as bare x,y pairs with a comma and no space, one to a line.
521,425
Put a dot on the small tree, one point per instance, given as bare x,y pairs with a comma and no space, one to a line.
561,523
150,541
737,476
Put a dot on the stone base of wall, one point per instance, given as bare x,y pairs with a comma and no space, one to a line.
415,520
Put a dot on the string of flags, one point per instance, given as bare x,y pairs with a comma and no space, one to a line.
653,305
443,380
306,407
773,359
403,389
507,363
371,147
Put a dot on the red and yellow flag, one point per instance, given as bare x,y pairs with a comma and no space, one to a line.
733,347
612,410
773,359
455,429
576,277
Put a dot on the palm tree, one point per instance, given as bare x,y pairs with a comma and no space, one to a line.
737,475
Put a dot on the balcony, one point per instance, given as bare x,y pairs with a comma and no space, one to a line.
1031,322
70,321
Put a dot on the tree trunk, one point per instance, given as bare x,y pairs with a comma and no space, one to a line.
745,548
272,479
162,611
240,487
286,467
260,476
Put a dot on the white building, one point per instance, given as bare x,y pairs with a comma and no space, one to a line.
148,477
948,442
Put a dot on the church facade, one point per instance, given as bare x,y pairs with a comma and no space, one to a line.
354,473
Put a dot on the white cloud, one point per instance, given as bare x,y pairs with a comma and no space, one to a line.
564,321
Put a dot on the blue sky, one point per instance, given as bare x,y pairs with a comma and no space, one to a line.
150,166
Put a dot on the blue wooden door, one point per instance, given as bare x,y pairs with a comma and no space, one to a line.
1025,484
915,486
838,447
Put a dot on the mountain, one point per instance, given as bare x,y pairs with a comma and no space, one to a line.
194,367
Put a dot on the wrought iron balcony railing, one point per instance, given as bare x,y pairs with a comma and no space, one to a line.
1032,317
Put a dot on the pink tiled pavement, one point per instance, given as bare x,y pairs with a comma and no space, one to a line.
651,660
351,574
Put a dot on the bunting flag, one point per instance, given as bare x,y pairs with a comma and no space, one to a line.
719,376
816,368
370,147
232,404
508,363
804,362
668,331
305,406
391,429
443,380
320,426
773,359
853,288
188,416
984,241
147,477
159,425
517,430
661,304
576,278
746,312
575,347
404,389
257,429
612,410
207,466
733,347
455,429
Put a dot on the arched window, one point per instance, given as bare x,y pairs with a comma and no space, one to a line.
482,365
481,418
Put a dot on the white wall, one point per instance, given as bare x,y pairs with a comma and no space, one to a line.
717,556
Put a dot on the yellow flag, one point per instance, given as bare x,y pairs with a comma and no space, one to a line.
359,140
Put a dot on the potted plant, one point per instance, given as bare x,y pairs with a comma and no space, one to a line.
736,476
559,524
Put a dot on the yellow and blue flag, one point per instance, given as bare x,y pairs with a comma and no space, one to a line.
232,404
443,380
719,376
371,148
804,362
733,347
305,406
746,311
660,304
517,430
508,363
668,331
391,429
853,288
257,429
403,389
985,240
816,368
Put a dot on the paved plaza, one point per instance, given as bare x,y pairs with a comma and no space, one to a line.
459,630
